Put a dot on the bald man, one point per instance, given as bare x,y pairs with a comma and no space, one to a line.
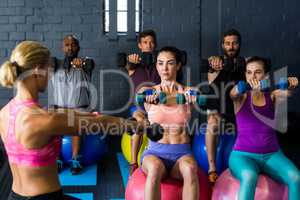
69,88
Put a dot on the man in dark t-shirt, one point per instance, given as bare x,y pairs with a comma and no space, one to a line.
69,88
142,74
225,72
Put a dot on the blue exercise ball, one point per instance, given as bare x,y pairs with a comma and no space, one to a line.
93,147
224,148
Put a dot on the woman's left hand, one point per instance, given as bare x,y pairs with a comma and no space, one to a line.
293,82
255,85
190,96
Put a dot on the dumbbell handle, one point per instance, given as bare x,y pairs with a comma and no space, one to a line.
200,99
180,98
140,98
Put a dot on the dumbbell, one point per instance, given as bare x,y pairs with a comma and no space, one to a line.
147,59
162,98
140,98
228,65
265,85
121,59
154,131
201,100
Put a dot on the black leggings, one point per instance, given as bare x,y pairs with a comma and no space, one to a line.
58,195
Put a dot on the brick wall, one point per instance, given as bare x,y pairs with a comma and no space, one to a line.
269,28
48,21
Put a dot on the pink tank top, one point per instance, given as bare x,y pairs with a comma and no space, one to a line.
171,116
17,153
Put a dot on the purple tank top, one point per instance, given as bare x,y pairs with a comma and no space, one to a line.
254,135
144,74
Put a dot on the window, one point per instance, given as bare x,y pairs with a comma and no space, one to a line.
122,11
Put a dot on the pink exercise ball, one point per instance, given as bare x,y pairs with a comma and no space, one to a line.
227,187
171,189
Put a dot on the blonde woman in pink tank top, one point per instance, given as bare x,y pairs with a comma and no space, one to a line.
171,155
31,134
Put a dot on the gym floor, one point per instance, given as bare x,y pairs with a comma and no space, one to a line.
109,180
110,183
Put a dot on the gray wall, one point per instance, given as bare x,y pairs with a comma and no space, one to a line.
269,28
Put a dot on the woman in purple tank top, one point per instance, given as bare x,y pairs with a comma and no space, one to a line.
256,149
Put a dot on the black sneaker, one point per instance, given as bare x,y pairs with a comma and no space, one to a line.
76,166
60,165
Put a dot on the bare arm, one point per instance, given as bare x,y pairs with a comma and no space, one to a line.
139,115
237,98
280,96
70,122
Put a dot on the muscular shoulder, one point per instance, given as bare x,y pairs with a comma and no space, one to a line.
37,121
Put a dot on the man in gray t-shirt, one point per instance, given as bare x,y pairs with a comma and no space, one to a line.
69,88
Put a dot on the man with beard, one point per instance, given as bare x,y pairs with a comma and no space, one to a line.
69,87
230,61
225,71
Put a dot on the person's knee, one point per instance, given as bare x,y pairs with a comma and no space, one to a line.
249,177
189,171
294,178
155,169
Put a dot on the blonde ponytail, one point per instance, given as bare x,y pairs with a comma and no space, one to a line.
25,56
8,74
